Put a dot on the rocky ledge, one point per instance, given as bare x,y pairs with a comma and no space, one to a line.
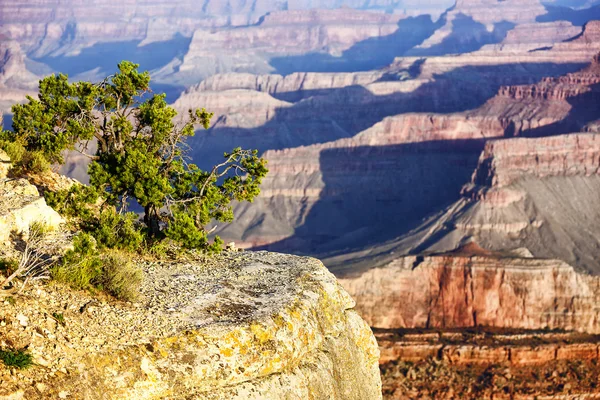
240,326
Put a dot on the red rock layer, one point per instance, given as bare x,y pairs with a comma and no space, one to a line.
454,291
464,348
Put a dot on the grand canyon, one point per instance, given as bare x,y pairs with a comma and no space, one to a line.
441,157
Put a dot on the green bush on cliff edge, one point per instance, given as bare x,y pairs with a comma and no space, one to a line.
140,163
140,159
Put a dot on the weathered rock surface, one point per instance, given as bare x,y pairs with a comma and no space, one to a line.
21,205
244,326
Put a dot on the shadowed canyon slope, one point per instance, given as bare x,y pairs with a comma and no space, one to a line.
315,190
537,194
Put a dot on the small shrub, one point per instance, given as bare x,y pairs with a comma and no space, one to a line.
81,266
159,249
59,317
15,150
120,277
22,159
34,261
20,359
35,162
85,267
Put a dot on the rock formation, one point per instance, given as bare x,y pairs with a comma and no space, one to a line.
58,27
471,24
470,288
489,364
16,81
21,205
309,186
251,326
543,201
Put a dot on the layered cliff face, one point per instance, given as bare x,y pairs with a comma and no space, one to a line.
470,288
554,105
489,364
554,50
470,24
317,40
16,81
56,27
247,326
537,194
308,185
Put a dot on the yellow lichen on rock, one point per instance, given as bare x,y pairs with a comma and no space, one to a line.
263,326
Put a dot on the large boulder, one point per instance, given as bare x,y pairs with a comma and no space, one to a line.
20,206
241,326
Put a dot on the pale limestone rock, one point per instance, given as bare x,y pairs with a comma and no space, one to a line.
21,205
4,161
246,326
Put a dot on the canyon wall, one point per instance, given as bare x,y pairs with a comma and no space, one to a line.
44,27
308,184
505,162
470,289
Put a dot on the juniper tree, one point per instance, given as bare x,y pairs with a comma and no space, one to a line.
141,153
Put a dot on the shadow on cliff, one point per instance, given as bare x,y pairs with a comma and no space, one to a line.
576,17
585,108
101,59
373,194
369,54
332,114
467,36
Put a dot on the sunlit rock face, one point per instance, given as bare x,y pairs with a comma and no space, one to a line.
321,115
470,288
44,27
243,326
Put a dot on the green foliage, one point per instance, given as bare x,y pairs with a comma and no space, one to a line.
81,266
20,359
119,231
140,157
23,160
13,147
59,317
86,267
109,228
75,202
120,277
